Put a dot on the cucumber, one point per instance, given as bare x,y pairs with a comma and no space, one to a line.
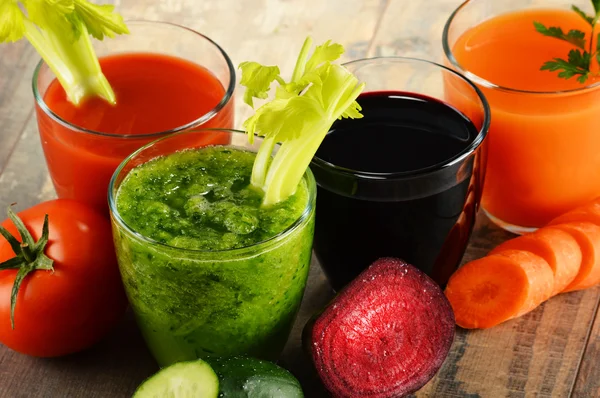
193,379
244,377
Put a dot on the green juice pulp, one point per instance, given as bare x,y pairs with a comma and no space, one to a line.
192,296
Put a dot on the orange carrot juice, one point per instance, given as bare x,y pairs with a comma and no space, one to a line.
544,142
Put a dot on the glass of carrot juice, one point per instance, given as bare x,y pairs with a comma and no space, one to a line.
544,143
166,78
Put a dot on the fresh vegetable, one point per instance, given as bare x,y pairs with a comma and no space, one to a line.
557,247
60,289
60,32
245,377
227,377
587,236
385,335
488,291
300,115
513,279
585,51
193,379
587,213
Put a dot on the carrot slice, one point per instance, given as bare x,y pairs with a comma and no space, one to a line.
587,213
587,236
557,247
499,287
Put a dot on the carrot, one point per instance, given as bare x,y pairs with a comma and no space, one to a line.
587,236
521,273
499,287
587,213
557,247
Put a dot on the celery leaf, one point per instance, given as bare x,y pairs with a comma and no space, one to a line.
100,20
12,26
53,16
257,78
326,52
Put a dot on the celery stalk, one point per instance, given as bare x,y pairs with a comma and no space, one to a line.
60,32
298,117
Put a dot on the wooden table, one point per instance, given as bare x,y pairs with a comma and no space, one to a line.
551,352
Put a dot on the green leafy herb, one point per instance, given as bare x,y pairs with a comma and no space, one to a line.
583,15
60,32
299,116
578,62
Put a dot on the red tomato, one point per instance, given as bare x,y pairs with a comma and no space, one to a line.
69,309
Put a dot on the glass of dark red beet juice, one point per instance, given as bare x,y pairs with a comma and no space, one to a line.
166,79
405,180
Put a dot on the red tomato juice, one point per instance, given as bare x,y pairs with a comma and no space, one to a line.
155,93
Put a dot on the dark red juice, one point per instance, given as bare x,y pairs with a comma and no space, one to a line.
399,182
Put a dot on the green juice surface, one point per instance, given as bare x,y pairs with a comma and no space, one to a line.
192,295
202,200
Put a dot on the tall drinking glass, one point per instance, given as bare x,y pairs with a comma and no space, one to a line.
405,180
81,160
193,303
544,146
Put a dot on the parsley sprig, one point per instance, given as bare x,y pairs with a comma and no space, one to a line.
579,60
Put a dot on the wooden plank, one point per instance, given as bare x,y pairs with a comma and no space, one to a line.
25,179
268,31
113,368
588,378
413,29
17,62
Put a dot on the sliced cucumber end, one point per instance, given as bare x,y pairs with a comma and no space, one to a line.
193,379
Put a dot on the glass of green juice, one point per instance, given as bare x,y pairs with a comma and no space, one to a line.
208,270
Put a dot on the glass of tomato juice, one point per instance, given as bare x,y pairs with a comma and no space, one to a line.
166,78
544,156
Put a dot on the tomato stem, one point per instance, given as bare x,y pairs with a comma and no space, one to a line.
26,252
29,256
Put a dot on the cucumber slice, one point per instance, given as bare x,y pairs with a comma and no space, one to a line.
244,377
194,379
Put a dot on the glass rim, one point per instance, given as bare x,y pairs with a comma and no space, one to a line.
229,90
301,220
486,83
459,157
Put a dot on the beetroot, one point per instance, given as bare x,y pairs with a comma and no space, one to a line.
385,335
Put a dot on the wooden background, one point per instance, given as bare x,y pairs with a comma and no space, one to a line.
551,352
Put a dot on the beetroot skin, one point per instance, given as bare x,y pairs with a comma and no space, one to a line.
384,336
